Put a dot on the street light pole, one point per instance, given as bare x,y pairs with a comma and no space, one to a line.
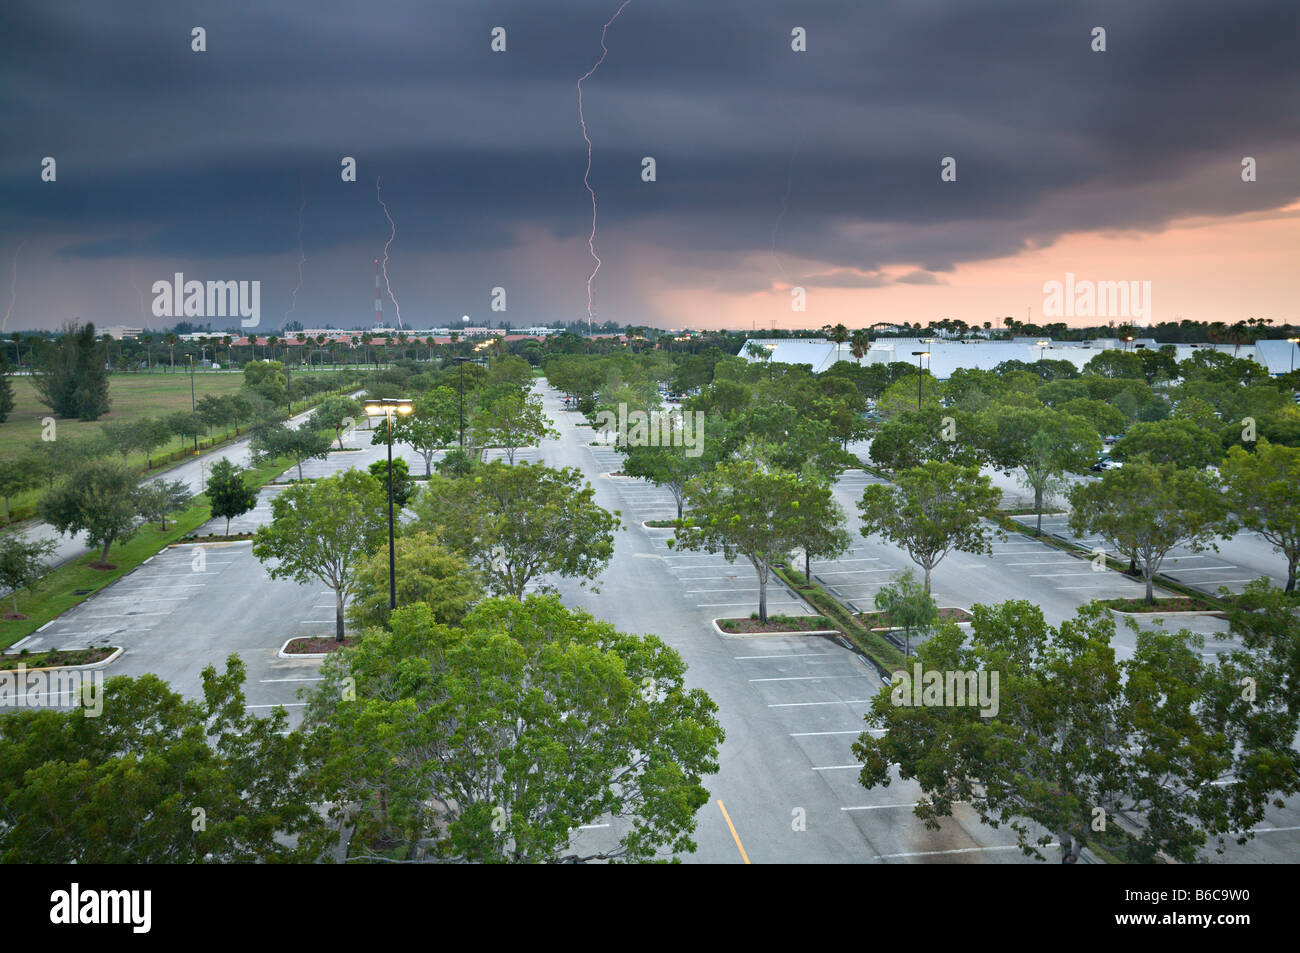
389,406
918,355
1293,342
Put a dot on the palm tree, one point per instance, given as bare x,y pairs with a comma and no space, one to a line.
859,344
148,363
171,349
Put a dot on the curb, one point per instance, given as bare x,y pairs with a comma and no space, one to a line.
760,635
295,655
68,668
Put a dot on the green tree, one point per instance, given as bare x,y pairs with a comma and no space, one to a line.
227,493
670,466
300,444
335,414
71,378
17,475
434,425
742,508
157,498
512,422
1178,440
23,563
148,434
1105,419
1263,490
324,530
1115,363
125,787
1144,510
821,530
1164,736
267,379
1043,445
907,606
911,438
402,486
186,425
427,573
6,388
98,499
516,523
931,510
493,742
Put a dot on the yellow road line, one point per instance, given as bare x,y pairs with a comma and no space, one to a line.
736,837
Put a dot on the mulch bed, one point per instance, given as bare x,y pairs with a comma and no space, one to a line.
1173,604
783,624
56,658
315,645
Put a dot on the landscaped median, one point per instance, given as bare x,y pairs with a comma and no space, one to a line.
74,582
879,651
777,625
96,657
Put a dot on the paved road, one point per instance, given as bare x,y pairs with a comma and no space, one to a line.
192,472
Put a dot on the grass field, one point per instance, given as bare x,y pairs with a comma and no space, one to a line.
134,396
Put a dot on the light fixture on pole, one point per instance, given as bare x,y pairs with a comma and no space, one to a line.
387,407
918,355
1042,346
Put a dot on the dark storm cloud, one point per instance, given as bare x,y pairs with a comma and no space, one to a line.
164,152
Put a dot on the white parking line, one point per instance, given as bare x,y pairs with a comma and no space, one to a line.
806,678
876,807
847,701
1038,562
789,655
1205,568
961,850
317,679
838,767
850,572
732,605
850,731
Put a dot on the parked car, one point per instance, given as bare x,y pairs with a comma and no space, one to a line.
1104,464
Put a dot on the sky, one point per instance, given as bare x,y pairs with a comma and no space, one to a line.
783,177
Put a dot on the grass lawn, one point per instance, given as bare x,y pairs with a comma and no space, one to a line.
134,396
72,583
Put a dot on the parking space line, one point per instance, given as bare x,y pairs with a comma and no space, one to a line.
847,701
838,767
789,655
960,850
806,678
876,807
850,731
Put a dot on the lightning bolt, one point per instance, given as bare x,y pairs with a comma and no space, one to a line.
13,286
392,234
302,257
591,240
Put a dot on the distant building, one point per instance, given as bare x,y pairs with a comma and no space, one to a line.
122,333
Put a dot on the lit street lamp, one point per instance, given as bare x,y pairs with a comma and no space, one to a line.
918,355
1042,346
387,407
